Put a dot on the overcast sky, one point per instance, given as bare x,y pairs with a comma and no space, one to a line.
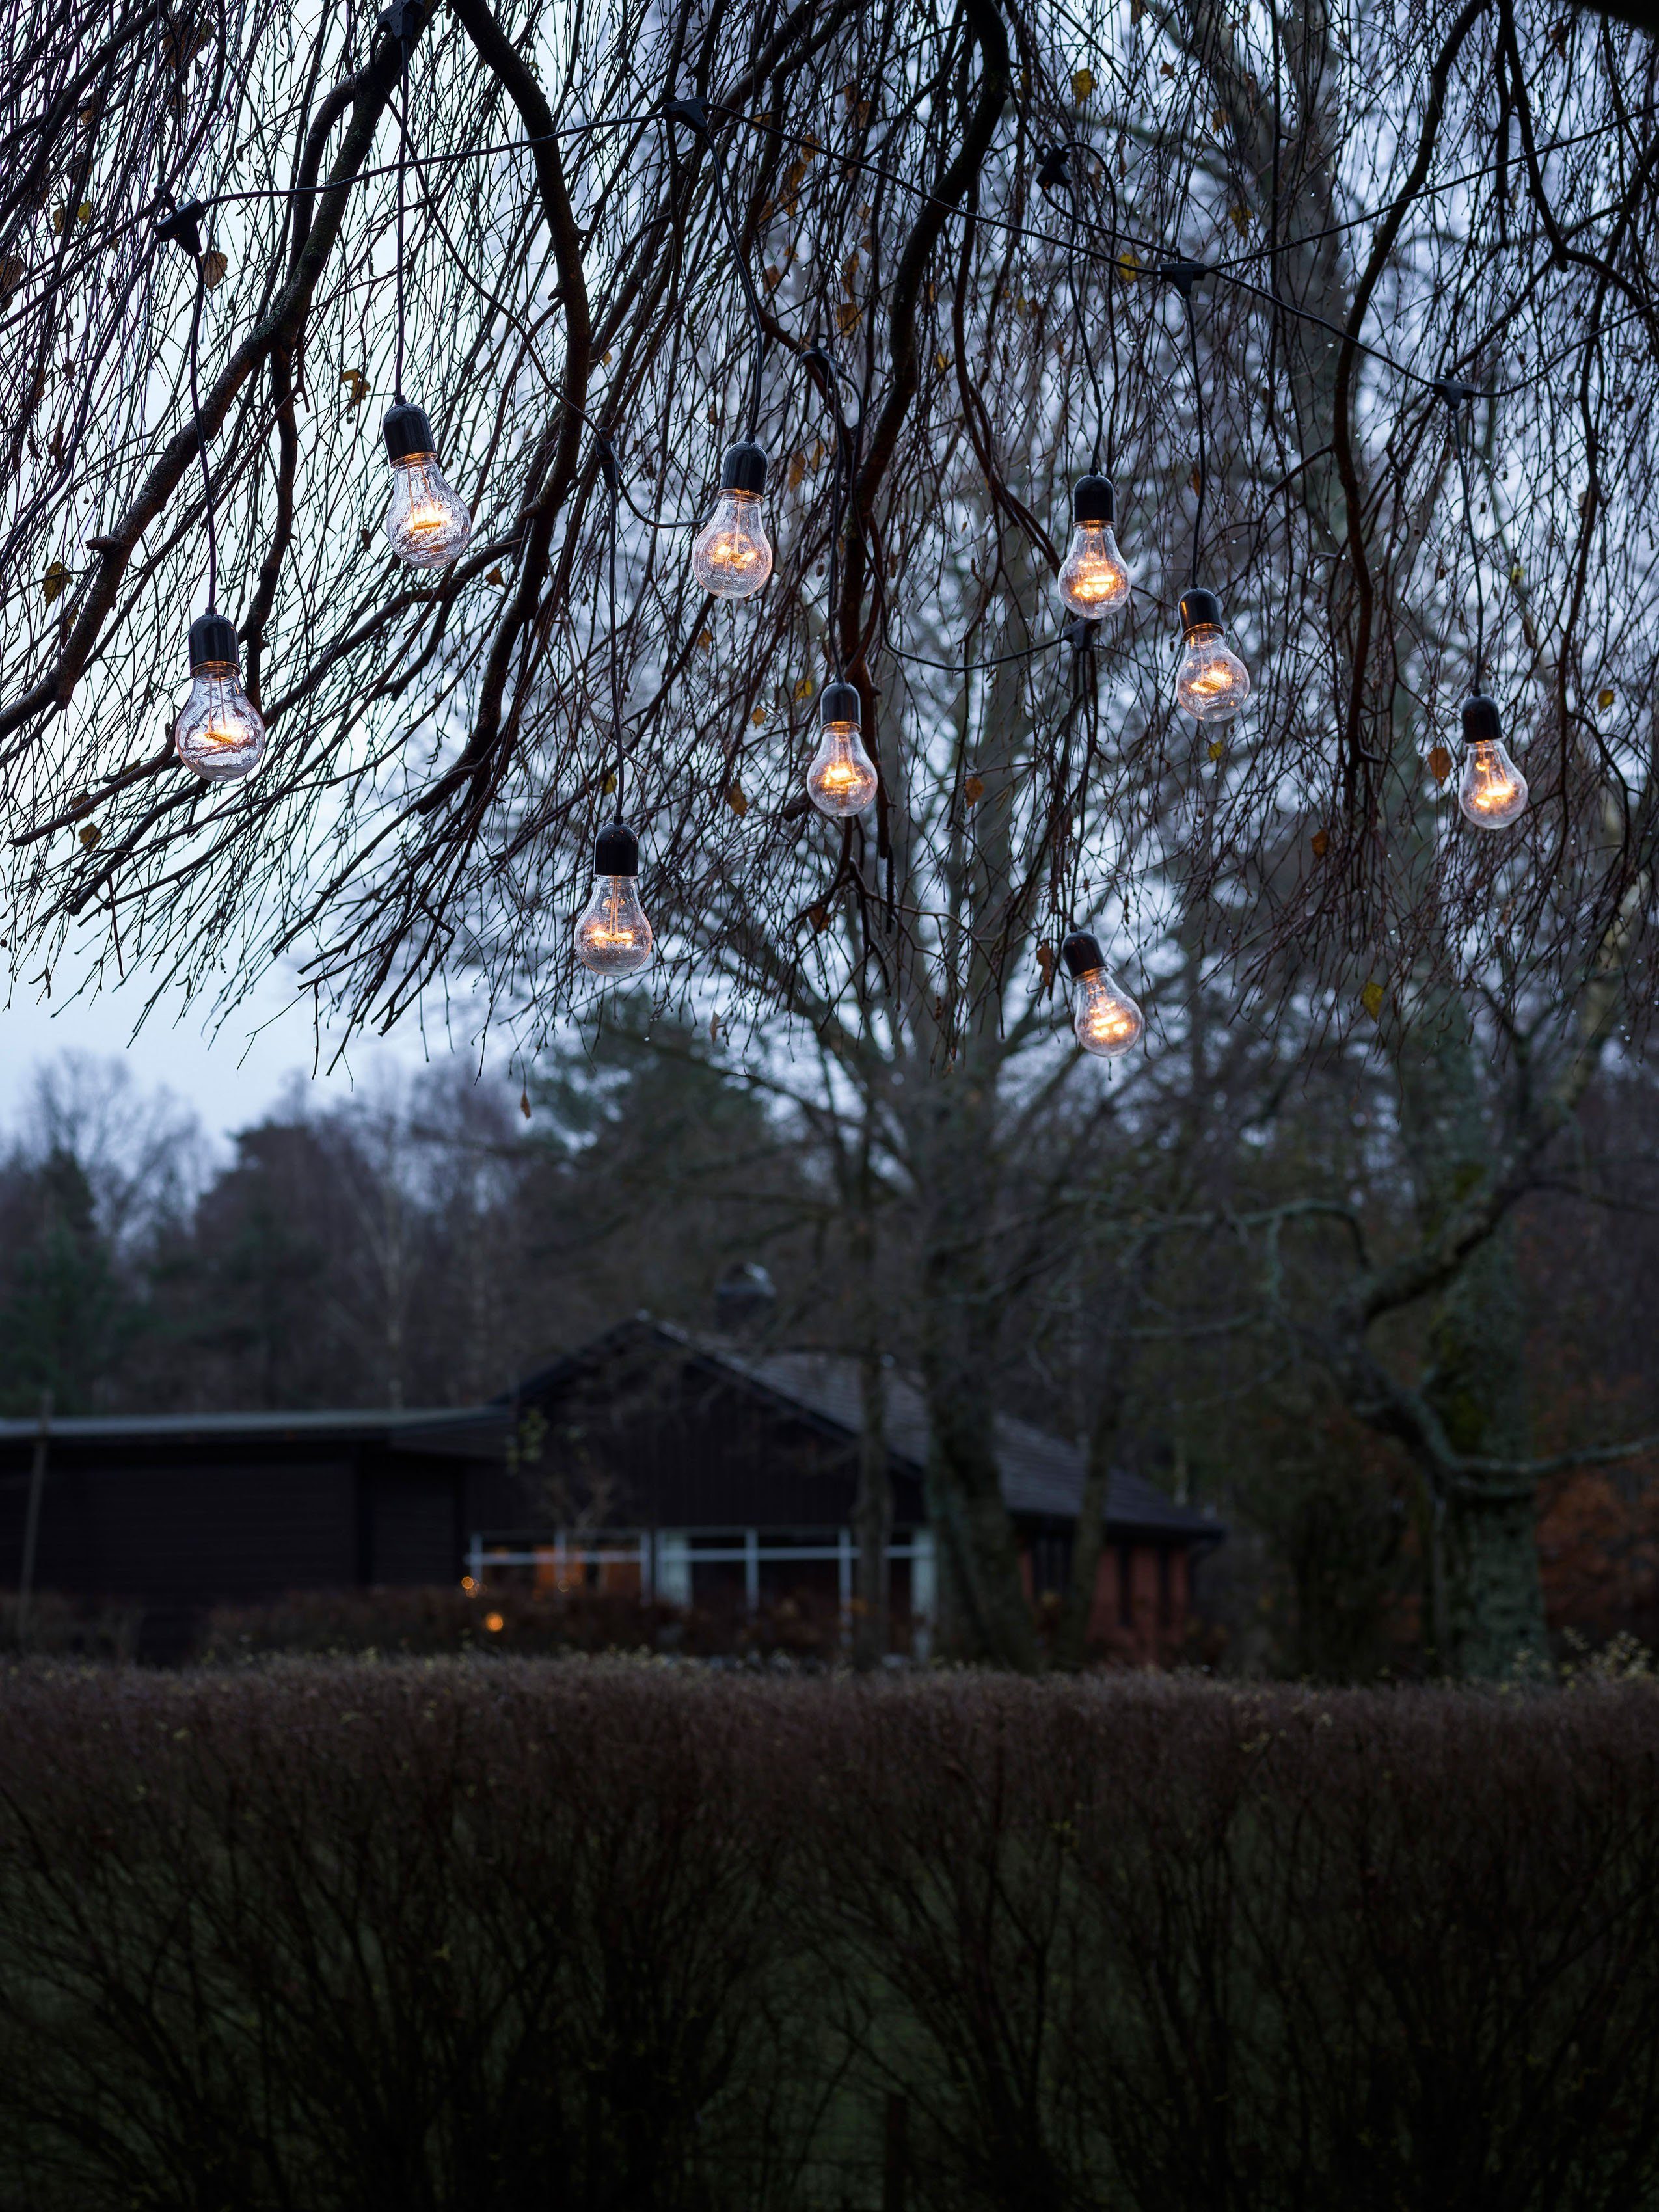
230,1078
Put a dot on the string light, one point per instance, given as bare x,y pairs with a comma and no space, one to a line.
1107,1020
841,780
732,554
426,523
1212,681
1093,581
219,734
1493,791
613,937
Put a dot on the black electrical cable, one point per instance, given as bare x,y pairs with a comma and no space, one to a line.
613,480
693,112
1203,456
1458,398
403,158
1058,169
840,494
201,443
1119,244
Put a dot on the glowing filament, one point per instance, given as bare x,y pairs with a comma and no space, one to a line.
841,780
1212,682
732,555
1493,791
1107,1020
1094,579
613,937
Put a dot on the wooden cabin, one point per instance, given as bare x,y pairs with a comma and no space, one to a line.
701,1470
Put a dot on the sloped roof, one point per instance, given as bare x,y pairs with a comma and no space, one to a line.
438,1429
1041,1475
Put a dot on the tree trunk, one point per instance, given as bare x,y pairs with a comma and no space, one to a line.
1492,1600
988,1613
1105,1424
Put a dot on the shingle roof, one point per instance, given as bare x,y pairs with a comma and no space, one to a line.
1040,1475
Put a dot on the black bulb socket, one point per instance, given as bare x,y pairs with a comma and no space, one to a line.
1199,610
615,851
212,638
1480,723
839,702
1093,507
407,432
1081,954
743,468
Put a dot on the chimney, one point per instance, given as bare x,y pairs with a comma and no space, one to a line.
744,1300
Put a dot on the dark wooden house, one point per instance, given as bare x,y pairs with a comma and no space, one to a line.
690,1468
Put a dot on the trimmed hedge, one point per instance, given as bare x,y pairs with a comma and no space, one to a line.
600,1934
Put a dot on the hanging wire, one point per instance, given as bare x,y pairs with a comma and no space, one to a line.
1057,169
1458,398
200,440
402,161
1203,456
840,494
1184,274
692,112
613,482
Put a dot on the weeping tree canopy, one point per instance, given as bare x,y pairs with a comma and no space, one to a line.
1293,277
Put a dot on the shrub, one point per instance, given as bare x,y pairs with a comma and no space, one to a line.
422,1935
514,1619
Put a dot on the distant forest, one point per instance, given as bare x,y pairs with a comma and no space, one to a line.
429,1239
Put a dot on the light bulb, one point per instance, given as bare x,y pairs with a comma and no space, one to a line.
426,524
1212,683
1493,791
1106,1019
732,555
1094,579
842,779
219,734
613,937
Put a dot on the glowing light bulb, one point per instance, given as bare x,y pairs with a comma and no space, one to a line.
613,937
219,734
1106,1019
842,778
426,523
1094,579
1493,791
1212,683
732,555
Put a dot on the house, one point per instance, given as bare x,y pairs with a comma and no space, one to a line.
694,1469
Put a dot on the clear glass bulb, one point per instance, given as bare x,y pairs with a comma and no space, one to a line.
426,524
841,780
219,734
732,555
1493,792
1094,579
613,937
1106,1019
1212,683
